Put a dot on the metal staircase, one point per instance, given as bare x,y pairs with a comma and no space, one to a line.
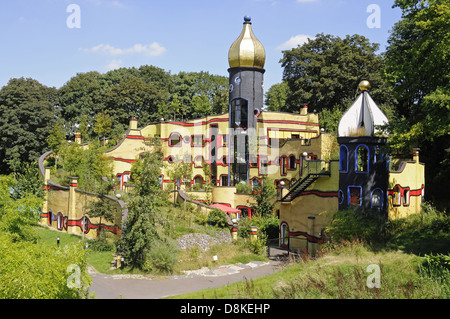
314,170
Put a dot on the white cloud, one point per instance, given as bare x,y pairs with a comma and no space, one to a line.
152,49
114,64
295,41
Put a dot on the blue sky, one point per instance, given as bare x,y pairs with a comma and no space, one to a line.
176,35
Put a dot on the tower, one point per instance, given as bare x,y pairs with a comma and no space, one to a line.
363,168
246,58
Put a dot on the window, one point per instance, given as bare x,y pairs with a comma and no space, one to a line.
255,183
291,162
362,159
405,197
175,139
343,159
239,115
198,180
376,200
225,160
378,156
198,162
354,195
283,165
197,140
262,165
224,180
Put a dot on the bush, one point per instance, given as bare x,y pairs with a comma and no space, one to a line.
268,226
355,223
161,257
218,218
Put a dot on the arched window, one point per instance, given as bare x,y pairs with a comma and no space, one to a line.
198,180
376,200
362,159
343,159
255,183
175,139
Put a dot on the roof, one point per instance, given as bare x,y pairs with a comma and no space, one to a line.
225,208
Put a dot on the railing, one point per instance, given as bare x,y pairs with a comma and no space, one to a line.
316,167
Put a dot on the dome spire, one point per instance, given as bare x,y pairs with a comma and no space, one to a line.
246,50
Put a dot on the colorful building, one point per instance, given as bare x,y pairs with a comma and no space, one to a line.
315,171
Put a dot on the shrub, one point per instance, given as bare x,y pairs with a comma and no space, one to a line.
218,218
161,257
355,223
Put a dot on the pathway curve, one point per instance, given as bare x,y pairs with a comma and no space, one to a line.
152,287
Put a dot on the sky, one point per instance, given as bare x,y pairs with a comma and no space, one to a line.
53,40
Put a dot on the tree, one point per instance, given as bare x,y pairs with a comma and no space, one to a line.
264,196
56,140
325,72
276,96
102,125
27,109
103,208
141,227
418,68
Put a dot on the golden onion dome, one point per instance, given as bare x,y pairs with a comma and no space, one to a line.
364,85
246,50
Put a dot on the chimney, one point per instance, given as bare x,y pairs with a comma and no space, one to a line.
133,123
416,154
78,137
304,110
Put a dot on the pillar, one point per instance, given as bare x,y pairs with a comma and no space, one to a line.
46,189
234,232
304,110
78,137
253,233
133,123
71,212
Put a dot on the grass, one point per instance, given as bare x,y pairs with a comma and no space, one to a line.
341,271
339,274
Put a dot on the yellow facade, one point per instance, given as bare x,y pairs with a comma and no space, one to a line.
406,188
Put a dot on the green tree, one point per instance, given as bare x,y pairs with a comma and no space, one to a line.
276,96
102,125
325,72
418,68
39,271
19,211
142,227
264,196
103,208
81,96
56,140
27,109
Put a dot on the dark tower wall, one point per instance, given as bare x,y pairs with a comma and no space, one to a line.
363,173
246,102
